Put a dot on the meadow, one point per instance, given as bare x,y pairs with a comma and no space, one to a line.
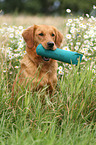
70,119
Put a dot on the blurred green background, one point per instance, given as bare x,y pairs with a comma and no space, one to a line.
46,7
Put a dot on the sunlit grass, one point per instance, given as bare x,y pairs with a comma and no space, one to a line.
70,116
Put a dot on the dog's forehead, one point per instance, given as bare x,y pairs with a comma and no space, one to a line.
45,28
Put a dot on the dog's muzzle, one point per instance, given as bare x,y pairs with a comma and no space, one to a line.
50,45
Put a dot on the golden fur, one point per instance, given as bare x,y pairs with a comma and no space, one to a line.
33,67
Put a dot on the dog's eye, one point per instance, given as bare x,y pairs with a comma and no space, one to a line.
41,34
53,35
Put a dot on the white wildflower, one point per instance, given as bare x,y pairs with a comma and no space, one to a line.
10,72
72,31
4,71
86,36
73,25
16,50
68,24
86,42
17,32
94,7
84,26
10,56
94,48
87,15
70,20
11,35
10,29
10,48
24,52
78,43
93,18
15,27
91,44
76,47
70,67
20,27
76,20
68,36
16,66
60,68
81,18
21,40
68,11
61,72
81,25
71,44
16,55
66,48
94,71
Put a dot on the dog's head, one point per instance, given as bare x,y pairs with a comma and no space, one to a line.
48,36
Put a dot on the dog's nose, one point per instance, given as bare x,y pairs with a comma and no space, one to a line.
50,45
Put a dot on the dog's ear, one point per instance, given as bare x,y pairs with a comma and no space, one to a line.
59,38
28,36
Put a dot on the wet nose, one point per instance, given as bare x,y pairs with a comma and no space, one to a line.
50,45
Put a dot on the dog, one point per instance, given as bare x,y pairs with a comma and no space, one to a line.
41,70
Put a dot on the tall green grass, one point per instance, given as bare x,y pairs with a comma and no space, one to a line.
68,119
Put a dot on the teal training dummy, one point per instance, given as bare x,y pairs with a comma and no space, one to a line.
59,54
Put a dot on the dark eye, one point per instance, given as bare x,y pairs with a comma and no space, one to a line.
41,34
53,34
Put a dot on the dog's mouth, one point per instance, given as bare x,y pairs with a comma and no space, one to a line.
45,58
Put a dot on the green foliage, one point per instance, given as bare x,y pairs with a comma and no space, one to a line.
68,119
33,6
46,6
77,6
9,6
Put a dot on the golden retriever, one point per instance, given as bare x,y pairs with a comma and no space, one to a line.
41,70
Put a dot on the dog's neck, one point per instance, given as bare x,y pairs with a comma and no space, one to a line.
37,60
31,53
